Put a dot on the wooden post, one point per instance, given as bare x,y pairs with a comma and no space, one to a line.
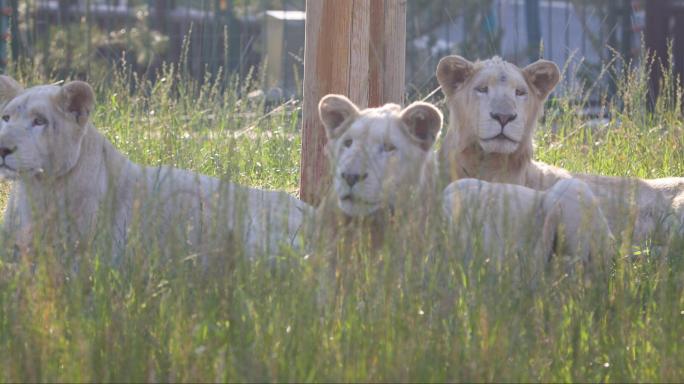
355,48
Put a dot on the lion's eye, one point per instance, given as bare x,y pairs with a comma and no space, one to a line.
520,92
389,147
482,89
40,121
347,143
5,118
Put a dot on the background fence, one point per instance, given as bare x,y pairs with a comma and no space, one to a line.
81,38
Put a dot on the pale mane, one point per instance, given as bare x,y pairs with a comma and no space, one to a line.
491,96
462,153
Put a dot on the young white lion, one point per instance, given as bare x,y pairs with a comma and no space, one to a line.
381,162
68,174
508,219
382,166
494,107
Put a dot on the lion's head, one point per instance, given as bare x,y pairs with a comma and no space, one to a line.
376,154
494,103
42,127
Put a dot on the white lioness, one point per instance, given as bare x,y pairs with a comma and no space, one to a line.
494,107
381,166
504,219
67,173
380,159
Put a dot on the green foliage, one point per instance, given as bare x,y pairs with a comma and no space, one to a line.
417,310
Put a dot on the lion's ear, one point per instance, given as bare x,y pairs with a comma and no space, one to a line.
452,72
543,75
9,89
335,111
424,122
77,99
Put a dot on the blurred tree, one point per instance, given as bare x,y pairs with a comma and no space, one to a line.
160,10
483,35
434,30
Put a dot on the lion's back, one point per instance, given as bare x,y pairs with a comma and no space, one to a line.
211,209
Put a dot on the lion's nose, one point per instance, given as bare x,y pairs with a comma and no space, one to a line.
353,178
503,118
4,151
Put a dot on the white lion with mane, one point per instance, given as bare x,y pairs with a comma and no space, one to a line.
494,107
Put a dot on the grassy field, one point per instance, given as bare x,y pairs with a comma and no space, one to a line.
410,312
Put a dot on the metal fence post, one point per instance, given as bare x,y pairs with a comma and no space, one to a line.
656,41
5,13
14,31
533,29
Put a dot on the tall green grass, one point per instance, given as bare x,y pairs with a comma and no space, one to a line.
415,310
